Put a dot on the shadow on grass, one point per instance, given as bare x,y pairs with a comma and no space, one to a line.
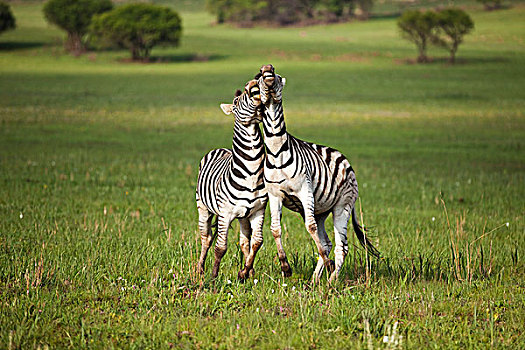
191,57
459,60
419,267
386,15
12,46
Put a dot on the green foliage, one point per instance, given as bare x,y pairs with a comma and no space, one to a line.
139,27
74,16
242,11
248,11
7,20
453,24
445,28
365,6
284,12
420,28
491,4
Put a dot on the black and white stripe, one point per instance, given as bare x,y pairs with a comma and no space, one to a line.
231,185
311,179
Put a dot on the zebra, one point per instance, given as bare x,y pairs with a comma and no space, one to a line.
230,184
307,178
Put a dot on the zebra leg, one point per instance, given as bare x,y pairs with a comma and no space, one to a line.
256,222
307,200
341,216
222,243
205,229
276,207
325,242
244,237
244,242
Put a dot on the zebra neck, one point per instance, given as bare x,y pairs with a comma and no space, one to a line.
276,139
248,149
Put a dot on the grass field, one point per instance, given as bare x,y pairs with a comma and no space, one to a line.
98,165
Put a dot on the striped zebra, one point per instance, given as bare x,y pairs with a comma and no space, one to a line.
310,179
231,185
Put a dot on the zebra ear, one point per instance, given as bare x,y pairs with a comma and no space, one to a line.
227,108
283,79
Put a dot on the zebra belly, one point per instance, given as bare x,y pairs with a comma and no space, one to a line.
291,200
293,203
324,206
258,204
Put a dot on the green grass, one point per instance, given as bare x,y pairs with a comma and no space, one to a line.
98,164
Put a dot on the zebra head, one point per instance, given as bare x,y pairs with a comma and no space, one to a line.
270,84
246,106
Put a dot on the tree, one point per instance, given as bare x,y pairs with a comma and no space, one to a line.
284,12
453,24
365,6
491,4
420,28
138,27
308,7
74,16
337,7
7,20
242,11
219,8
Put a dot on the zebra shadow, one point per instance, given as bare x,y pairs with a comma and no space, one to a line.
188,57
15,45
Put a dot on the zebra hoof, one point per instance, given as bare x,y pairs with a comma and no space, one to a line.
287,270
330,266
243,274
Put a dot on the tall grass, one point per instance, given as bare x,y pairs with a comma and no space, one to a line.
99,159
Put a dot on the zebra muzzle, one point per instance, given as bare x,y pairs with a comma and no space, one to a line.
269,79
268,74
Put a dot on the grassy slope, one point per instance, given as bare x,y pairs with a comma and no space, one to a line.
100,159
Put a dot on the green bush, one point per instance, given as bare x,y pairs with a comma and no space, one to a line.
420,28
7,20
74,16
491,4
283,12
138,27
242,11
453,24
366,7
337,7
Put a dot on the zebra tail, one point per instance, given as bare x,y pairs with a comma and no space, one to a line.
362,238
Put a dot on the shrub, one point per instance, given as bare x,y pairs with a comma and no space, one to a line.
284,12
365,6
74,16
242,11
420,28
138,27
491,4
453,24
7,20
337,7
